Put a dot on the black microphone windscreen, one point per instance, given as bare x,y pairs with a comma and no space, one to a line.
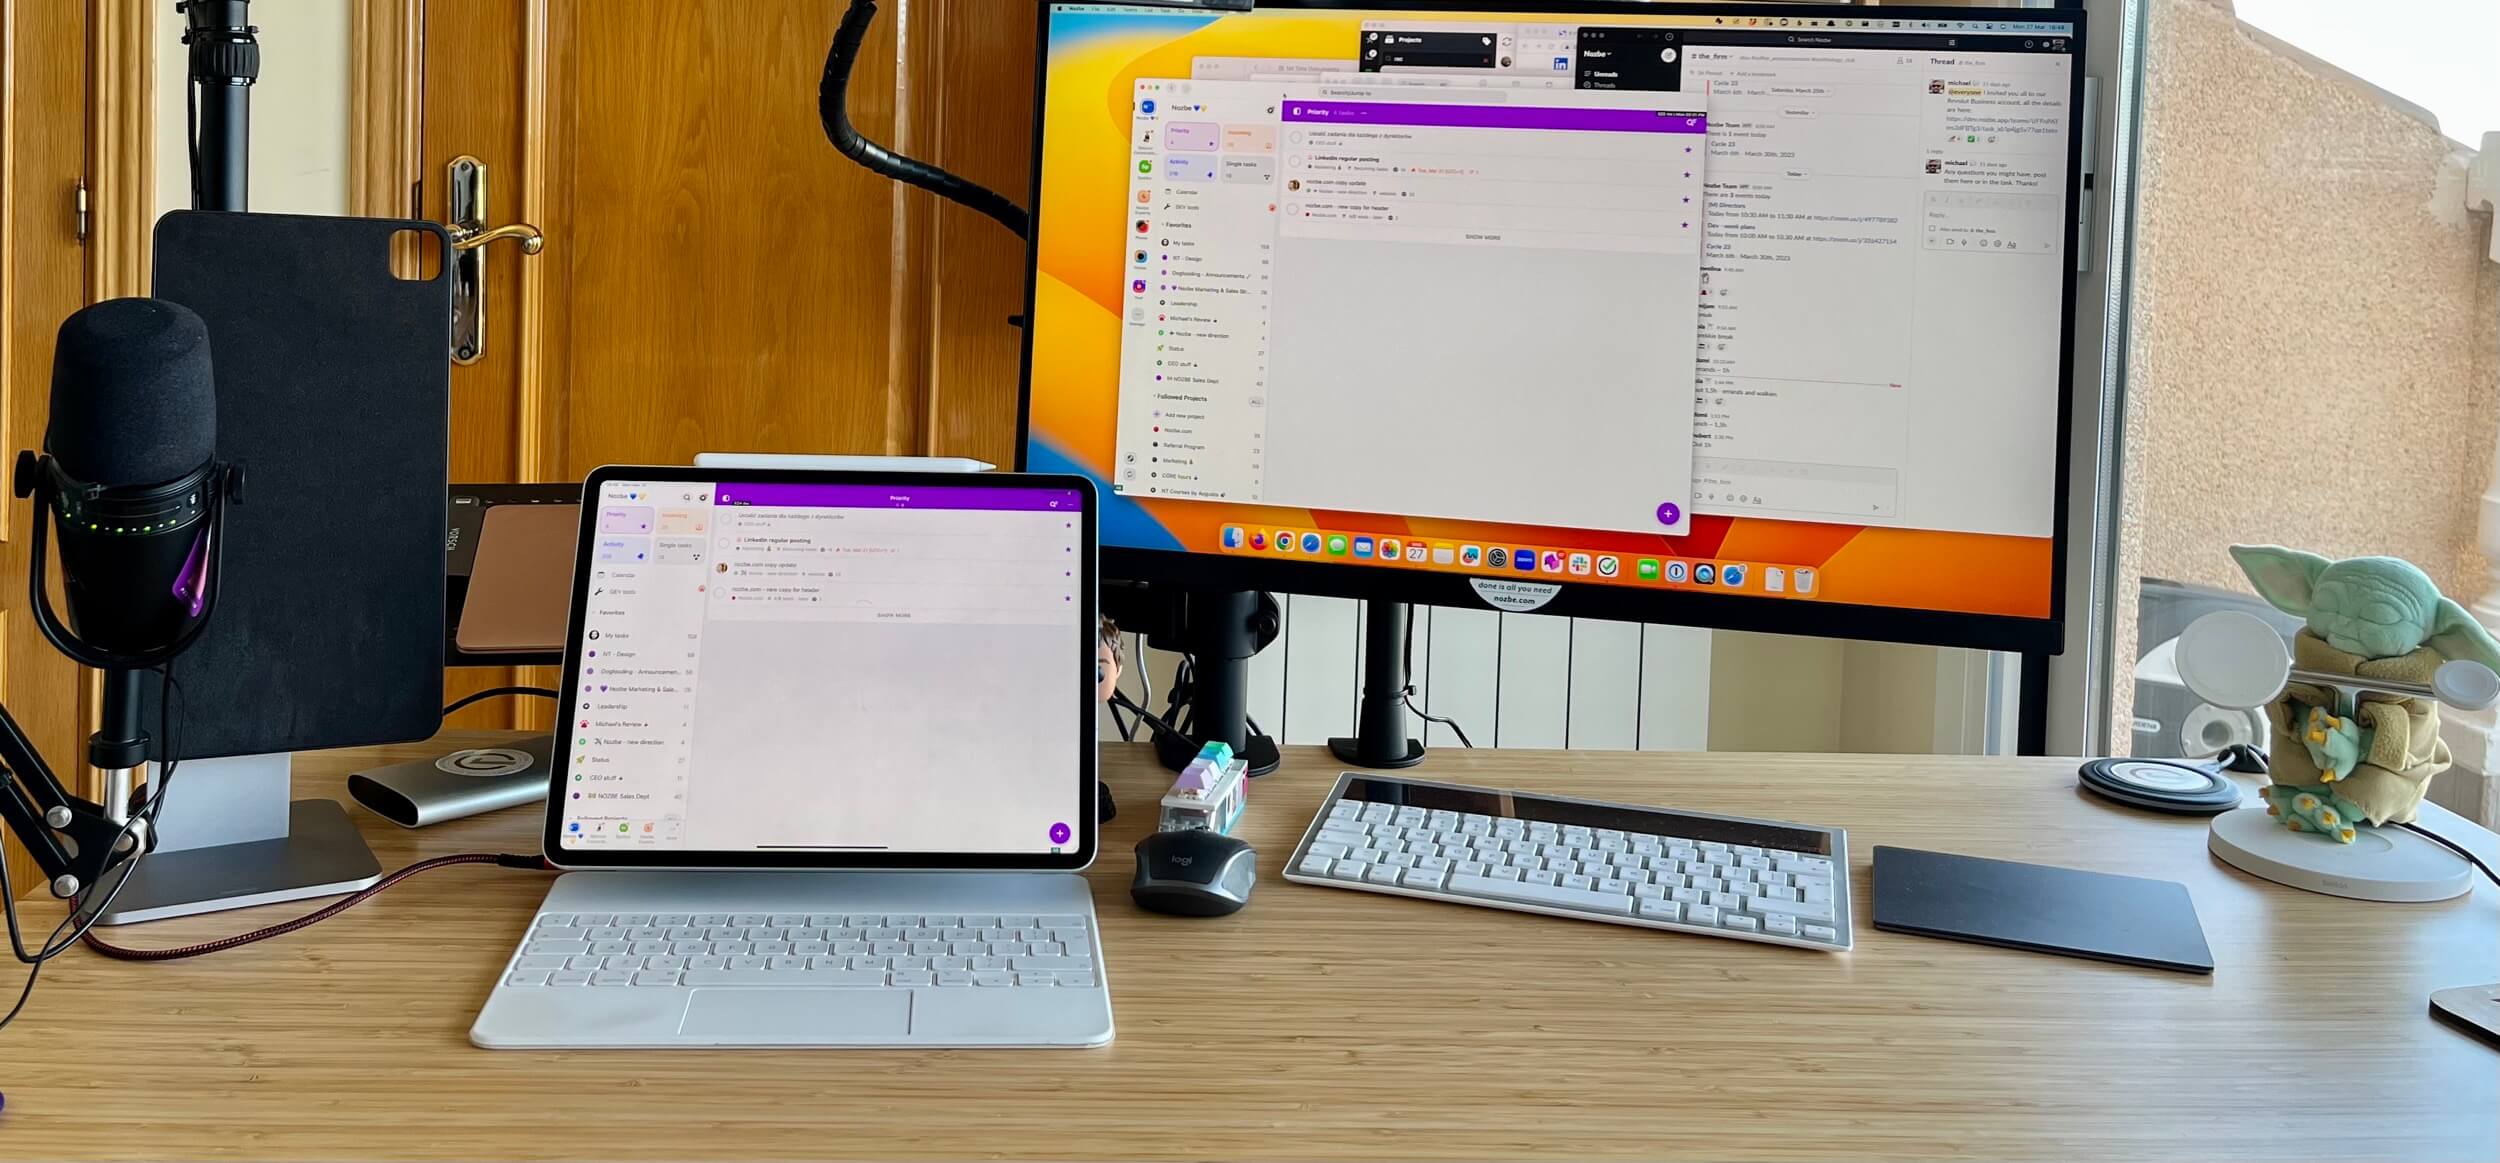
134,399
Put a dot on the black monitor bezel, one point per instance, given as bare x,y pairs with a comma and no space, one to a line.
1619,602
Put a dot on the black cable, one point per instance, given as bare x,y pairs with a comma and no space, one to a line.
833,110
1121,699
1445,721
537,692
2452,846
1407,696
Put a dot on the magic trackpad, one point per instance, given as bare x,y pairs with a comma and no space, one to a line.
797,1017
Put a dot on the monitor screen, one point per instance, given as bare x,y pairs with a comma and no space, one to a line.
780,668
1726,314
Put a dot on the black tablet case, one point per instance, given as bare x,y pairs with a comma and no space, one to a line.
2125,919
334,395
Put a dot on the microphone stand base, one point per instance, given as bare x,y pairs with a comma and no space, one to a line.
321,854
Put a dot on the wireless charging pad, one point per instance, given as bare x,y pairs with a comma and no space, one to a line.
2160,786
2381,864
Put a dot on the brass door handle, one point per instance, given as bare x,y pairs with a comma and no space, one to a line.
469,236
531,240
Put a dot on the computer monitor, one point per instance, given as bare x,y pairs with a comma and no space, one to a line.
1726,315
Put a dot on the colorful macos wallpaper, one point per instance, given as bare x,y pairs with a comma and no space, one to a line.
1166,131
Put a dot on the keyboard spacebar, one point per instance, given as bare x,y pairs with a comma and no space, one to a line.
787,978
1541,894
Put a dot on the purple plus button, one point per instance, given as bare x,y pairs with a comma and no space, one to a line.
1669,513
1059,833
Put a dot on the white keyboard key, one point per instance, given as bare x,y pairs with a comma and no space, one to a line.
1739,921
568,977
556,948
555,919
1422,878
542,962
1686,896
581,963
1543,876
911,977
620,961
1814,891
1771,879
809,978
611,977
1649,892
1514,875
556,933
527,978
594,919
1329,849
1316,865
1727,900
1350,870
1596,902
1577,883
1821,933
1709,884
1802,910
1775,892
1382,874
953,978
1780,923
993,979
1658,910
652,977
1083,979
605,947
1611,885
630,920
1701,914
1433,864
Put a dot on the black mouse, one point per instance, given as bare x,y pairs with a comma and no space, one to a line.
1194,873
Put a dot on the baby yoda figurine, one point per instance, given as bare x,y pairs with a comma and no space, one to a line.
2336,766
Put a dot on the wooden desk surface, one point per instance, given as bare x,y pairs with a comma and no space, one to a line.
1324,1024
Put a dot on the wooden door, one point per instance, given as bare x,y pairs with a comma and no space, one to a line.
716,277
68,118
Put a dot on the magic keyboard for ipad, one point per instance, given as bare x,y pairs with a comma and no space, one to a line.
694,950
1687,872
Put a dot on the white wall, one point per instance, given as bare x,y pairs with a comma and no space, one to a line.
299,108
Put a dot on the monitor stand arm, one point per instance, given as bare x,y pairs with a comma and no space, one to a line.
1380,739
1219,634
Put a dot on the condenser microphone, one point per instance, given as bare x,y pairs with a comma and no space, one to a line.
130,478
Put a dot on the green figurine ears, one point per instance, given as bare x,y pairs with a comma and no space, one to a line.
2376,607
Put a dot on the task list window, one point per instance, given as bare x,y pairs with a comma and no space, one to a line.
1483,305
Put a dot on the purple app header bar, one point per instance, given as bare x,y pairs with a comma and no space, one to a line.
787,496
1496,117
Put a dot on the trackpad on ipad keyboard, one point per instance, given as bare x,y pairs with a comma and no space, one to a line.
798,1017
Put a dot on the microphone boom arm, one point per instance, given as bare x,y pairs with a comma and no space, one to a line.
71,839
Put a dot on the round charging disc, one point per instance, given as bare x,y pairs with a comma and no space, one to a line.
2162,787
2234,659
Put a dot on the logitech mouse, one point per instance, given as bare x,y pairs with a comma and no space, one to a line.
1194,873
